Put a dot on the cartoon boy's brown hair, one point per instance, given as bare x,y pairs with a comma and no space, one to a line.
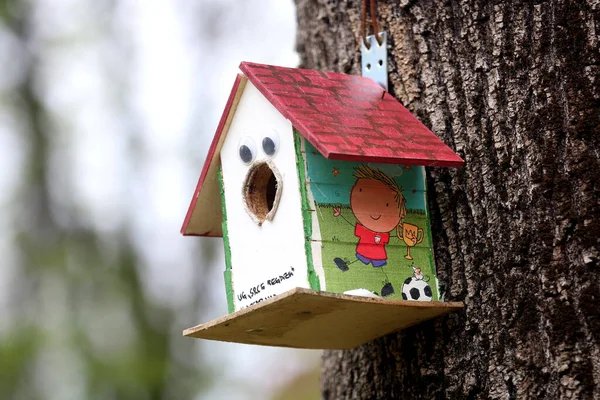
365,172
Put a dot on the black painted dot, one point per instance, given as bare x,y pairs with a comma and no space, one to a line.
414,293
427,291
387,204
360,189
245,153
268,146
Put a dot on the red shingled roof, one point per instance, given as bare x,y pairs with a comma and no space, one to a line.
345,117
349,117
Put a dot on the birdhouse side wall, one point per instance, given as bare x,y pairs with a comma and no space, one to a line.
371,227
259,175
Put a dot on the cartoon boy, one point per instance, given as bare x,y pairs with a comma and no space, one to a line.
379,206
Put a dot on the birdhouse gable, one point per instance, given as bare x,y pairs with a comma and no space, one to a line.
262,202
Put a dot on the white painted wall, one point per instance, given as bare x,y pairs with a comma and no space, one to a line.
261,253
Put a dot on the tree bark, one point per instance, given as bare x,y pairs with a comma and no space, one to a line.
514,88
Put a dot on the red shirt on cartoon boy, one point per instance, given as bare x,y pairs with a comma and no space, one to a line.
371,244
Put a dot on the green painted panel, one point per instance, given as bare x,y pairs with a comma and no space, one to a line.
227,273
369,240
313,279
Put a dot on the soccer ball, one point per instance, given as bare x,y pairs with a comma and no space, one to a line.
416,289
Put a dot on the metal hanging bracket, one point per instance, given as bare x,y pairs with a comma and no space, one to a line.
374,59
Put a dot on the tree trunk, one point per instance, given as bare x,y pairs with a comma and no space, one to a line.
515,90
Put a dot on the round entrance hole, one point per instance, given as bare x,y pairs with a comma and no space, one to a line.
262,191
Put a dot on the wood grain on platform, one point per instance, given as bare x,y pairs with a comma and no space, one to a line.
303,318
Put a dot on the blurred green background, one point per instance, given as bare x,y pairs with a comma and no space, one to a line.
107,109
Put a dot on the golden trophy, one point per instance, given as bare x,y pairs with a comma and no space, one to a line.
411,235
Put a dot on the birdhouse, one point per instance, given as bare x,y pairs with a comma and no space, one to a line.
316,183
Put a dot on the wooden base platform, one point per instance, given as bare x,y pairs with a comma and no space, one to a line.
303,318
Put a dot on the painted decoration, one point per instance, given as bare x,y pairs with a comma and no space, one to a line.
373,226
261,205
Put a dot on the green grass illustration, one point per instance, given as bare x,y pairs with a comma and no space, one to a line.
339,241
